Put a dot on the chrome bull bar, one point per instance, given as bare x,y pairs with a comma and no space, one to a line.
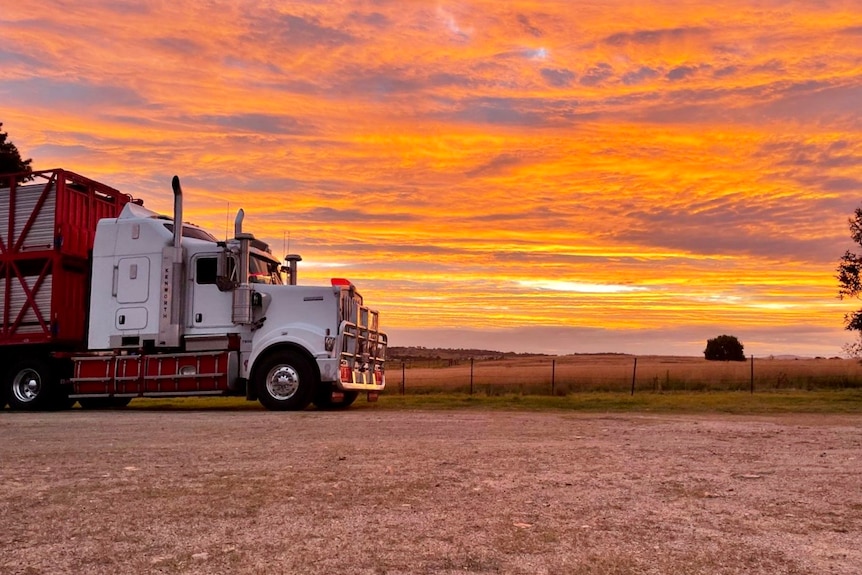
363,352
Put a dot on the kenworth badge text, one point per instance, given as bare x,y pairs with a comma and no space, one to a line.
105,301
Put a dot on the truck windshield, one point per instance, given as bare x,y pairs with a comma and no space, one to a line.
263,271
190,232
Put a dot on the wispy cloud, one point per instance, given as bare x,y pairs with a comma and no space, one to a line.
578,287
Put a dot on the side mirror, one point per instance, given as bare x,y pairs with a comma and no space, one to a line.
226,273
225,283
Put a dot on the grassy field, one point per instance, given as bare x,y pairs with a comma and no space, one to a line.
616,373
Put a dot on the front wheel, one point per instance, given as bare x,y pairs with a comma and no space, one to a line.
285,382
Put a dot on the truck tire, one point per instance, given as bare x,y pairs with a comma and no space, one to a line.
32,385
285,381
323,398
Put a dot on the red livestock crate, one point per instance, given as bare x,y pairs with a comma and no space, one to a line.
47,226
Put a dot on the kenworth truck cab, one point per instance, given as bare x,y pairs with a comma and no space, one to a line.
173,311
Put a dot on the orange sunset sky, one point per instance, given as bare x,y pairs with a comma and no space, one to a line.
556,176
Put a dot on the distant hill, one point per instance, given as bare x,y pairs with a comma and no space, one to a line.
407,353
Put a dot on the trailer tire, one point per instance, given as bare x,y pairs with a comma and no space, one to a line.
323,399
31,385
285,381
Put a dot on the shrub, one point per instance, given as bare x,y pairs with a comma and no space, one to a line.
724,348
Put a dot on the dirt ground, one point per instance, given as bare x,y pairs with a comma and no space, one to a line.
389,492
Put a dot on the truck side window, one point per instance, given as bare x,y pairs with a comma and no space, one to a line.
206,270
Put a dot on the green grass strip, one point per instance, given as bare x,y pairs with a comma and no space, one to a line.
734,402
837,401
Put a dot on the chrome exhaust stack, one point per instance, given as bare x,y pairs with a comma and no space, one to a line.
290,268
170,306
241,313
178,212
237,223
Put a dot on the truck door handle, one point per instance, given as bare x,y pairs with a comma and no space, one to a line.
199,317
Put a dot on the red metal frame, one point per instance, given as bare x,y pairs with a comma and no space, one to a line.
192,373
79,203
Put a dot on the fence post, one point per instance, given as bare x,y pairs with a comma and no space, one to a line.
471,376
752,373
634,375
553,373
403,384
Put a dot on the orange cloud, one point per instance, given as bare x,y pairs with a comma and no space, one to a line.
681,166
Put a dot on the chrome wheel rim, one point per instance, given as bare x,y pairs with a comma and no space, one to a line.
282,382
26,385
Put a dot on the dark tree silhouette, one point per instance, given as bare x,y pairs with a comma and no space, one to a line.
10,158
724,348
850,284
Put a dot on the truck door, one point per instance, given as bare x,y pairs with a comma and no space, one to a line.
131,288
210,307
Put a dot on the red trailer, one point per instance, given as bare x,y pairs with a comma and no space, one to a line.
47,226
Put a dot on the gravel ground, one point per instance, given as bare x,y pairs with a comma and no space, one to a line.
389,492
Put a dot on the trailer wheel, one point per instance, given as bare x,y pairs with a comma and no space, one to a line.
284,382
323,398
32,385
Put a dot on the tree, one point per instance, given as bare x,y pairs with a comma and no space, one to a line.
724,348
850,284
10,158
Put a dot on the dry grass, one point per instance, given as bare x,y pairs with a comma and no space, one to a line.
611,372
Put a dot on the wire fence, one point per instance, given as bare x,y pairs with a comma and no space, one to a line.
625,374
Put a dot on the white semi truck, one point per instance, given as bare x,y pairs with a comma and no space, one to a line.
105,301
